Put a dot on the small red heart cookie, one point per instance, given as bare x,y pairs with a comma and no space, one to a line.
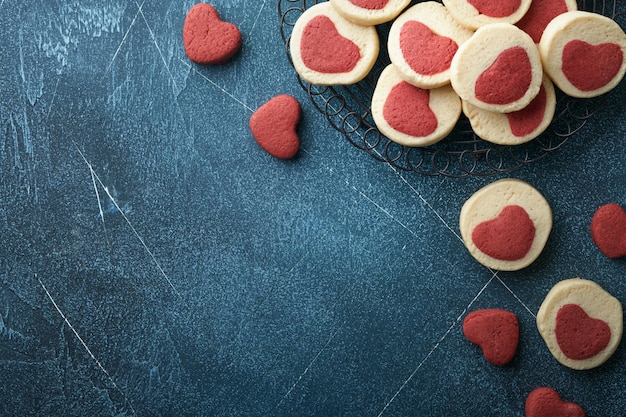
584,53
327,49
498,69
505,225
273,126
495,331
608,230
546,402
581,323
477,13
422,42
516,127
410,115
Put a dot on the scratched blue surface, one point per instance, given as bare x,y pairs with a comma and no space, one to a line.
154,261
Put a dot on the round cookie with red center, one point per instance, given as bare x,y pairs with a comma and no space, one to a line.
506,224
584,53
410,115
369,12
581,323
422,42
497,69
476,13
327,49
516,127
540,13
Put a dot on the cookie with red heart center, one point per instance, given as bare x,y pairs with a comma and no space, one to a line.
369,12
546,402
327,49
540,13
608,230
422,42
505,225
581,323
584,53
516,127
207,38
476,13
410,115
495,331
498,69
273,126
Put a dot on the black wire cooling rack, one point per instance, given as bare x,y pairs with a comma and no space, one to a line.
462,153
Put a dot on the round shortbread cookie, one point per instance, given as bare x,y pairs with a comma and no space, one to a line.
476,13
581,323
516,127
410,115
370,12
540,13
327,49
497,69
422,42
584,53
505,225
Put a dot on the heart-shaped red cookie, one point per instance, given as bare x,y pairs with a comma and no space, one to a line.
546,402
424,51
590,67
508,237
323,49
407,110
273,126
579,336
495,331
608,230
207,38
501,8
370,4
507,79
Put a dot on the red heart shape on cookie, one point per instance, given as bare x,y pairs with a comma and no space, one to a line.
273,126
507,79
580,336
495,331
546,402
608,230
407,110
207,38
590,67
324,50
426,52
524,122
370,4
502,8
508,237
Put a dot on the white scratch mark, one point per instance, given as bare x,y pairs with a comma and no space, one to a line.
255,20
218,87
379,207
435,347
132,228
310,365
82,342
95,188
119,48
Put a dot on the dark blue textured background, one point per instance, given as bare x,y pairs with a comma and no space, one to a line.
235,284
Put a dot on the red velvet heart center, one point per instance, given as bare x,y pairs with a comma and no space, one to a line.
370,4
590,67
495,331
407,110
578,335
508,237
546,402
507,79
540,13
501,8
324,50
524,122
608,230
426,52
